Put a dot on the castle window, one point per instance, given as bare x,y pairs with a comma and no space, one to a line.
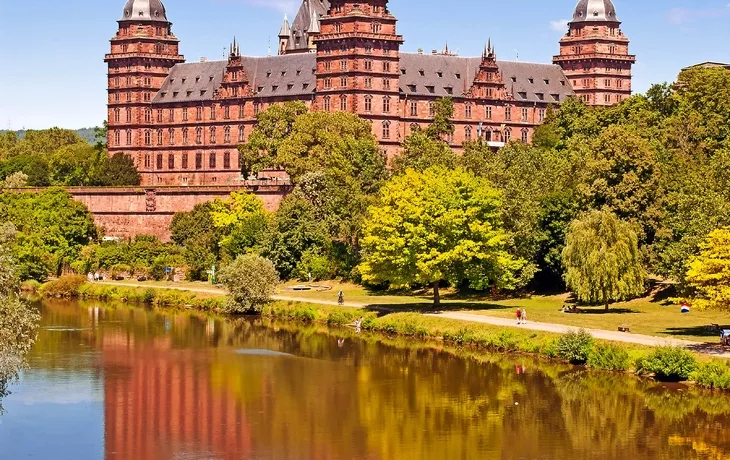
343,82
117,115
431,109
343,64
422,73
227,160
607,82
241,111
414,108
129,96
147,96
375,27
171,135
159,115
386,83
159,161
386,129
488,112
467,110
488,135
147,137
256,108
170,161
198,135
507,135
147,161
198,160
185,136
343,103
116,138
525,136
159,137
449,89
212,112
522,94
212,160
431,89
148,115
338,27
227,112
212,135
128,113
327,104
386,66
199,113
368,82
412,88
368,103
369,49
185,114
184,161
241,133
440,74
508,113
129,137
541,115
540,96
556,97
227,135
524,114
467,133
368,64
327,83
116,97
386,104
327,66
172,115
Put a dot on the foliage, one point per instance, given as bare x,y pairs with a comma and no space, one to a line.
575,347
668,364
241,221
251,281
420,151
443,112
66,286
15,180
196,232
709,273
602,259
439,225
315,266
609,357
8,273
52,229
712,374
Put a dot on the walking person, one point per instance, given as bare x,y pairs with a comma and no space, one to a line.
341,298
524,316
519,316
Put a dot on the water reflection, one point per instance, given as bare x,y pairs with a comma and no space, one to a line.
187,386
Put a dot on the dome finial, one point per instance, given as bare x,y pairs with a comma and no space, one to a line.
144,10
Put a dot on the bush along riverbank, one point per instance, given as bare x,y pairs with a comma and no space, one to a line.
579,348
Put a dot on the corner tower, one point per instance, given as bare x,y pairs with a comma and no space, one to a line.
594,54
143,51
358,65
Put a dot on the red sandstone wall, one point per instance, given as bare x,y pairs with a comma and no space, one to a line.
129,211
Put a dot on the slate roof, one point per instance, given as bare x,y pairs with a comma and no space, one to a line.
439,72
302,24
270,76
293,75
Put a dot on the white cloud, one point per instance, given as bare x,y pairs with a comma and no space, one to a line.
679,16
561,25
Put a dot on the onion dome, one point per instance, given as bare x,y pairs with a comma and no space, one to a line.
595,11
144,10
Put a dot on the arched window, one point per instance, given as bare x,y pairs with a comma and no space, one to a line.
467,110
148,116
159,137
227,160
129,115
241,133
212,160
117,138
212,135
386,129
198,135
467,133
327,104
386,104
185,136
525,135
147,137
507,135
343,103
129,137
227,135
171,135
117,115
488,135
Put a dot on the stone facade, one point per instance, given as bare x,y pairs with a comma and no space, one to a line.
182,122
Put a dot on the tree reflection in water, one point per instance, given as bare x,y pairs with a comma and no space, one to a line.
174,384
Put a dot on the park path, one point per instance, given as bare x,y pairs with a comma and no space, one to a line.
600,334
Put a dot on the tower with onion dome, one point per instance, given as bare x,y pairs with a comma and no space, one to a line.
594,54
143,51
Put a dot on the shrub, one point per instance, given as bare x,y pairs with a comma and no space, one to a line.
713,374
31,286
671,364
609,357
318,265
575,347
65,286
251,281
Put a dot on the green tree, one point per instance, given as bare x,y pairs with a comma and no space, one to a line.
116,171
196,231
420,151
15,180
602,259
241,221
439,225
443,112
250,281
709,272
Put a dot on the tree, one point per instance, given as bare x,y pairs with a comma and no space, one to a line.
8,272
241,221
196,231
251,281
709,272
602,259
439,225
15,180
421,151
443,112
116,171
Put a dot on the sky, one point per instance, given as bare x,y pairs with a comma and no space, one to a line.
53,73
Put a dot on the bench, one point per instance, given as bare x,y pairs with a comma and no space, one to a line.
624,328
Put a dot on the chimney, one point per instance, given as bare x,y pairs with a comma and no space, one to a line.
434,52
420,50
204,59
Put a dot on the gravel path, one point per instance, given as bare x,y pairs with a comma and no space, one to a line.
601,334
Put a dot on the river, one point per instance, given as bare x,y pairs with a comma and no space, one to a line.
114,382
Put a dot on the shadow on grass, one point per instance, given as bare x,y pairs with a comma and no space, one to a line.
610,311
428,307
697,331
711,349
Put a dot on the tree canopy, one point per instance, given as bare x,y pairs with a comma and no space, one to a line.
709,272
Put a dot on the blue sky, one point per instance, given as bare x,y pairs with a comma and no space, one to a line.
52,52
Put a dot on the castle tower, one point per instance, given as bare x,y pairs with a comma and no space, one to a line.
594,54
142,53
358,64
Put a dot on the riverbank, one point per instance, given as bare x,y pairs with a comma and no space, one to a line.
579,348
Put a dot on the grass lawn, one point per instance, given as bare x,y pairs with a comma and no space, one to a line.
648,315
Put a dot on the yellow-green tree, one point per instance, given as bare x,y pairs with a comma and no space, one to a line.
602,259
709,273
438,225
242,221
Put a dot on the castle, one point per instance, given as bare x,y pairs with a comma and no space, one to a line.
182,122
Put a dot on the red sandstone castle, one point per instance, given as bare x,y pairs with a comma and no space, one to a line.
182,122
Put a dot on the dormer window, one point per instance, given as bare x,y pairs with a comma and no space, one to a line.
283,73
274,88
289,87
449,89
547,82
531,80
299,72
268,74
183,80
522,94
259,89
514,79
422,73
440,74
458,76
197,79
412,88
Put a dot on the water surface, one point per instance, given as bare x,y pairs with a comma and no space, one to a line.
113,382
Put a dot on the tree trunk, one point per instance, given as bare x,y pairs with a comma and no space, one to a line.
606,306
436,294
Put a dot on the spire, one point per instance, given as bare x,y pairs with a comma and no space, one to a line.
489,45
314,23
285,28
